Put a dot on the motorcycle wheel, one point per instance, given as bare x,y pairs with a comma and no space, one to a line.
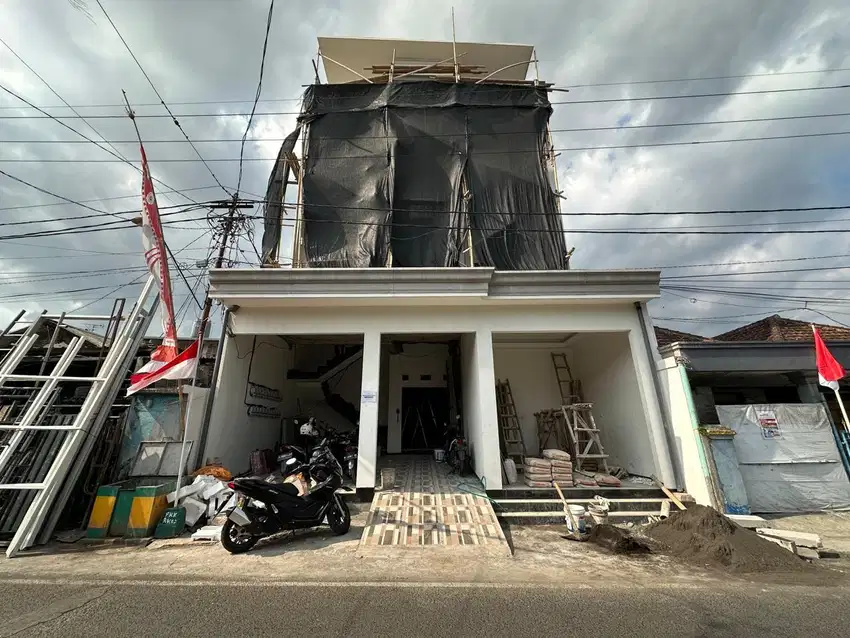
235,539
339,517
352,471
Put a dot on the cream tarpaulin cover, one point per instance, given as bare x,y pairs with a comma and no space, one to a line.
788,457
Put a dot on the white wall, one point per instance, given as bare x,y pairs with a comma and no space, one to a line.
417,359
480,419
687,446
534,386
604,364
233,435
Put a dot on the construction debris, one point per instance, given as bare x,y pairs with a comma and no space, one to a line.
801,539
749,521
202,499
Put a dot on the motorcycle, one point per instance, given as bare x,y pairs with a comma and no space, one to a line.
263,508
343,445
456,449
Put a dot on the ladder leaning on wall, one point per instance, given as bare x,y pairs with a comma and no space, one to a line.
510,431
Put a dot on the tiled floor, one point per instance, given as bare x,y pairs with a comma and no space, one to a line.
430,507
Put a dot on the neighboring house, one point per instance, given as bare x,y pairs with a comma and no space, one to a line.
766,363
429,263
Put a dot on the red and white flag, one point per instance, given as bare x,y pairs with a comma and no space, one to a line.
160,366
829,370
180,367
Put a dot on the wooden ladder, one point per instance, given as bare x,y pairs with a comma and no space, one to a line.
569,388
585,436
510,431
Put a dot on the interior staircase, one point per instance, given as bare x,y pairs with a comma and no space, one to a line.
322,375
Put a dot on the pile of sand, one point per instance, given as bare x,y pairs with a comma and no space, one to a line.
616,540
702,535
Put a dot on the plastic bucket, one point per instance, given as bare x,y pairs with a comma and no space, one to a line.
578,514
439,455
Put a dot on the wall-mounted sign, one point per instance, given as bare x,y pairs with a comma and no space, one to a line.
264,412
768,424
263,393
368,396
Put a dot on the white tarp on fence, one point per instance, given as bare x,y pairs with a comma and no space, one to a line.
788,457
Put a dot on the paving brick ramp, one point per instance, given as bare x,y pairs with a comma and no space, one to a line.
431,508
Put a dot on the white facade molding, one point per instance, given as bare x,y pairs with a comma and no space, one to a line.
424,286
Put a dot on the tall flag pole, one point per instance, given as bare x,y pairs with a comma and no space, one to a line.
830,372
165,361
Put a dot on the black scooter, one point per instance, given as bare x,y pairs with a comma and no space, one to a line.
263,509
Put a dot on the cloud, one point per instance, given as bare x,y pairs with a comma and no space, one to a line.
212,56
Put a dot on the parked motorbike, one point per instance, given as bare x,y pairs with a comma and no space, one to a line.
263,508
343,445
457,450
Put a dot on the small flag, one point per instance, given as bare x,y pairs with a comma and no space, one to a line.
180,367
829,370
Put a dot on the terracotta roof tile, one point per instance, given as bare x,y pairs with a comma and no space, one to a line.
665,336
780,329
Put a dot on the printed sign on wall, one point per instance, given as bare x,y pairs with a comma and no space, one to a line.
768,424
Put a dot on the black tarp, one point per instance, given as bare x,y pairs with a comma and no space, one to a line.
275,196
411,165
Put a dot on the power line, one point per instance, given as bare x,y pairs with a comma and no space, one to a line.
88,139
758,295
52,90
502,152
470,134
103,226
705,79
569,86
104,199
743,263
555,103
161,100
137,279
257,96
756,272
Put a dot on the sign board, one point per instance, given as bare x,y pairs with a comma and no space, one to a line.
172,523
368,397
768,424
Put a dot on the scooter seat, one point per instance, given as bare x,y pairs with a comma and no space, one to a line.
284,488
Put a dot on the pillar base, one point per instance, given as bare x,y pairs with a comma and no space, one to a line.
365,494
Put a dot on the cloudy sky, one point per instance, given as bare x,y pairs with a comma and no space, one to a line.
203,57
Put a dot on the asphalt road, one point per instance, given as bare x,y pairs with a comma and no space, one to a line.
174,609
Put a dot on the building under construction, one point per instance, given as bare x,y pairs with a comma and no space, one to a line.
428,268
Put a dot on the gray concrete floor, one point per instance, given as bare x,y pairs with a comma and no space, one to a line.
398,610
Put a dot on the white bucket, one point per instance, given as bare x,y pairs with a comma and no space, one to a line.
439,455
578,513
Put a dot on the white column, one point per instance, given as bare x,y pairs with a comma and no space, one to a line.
488,464
644,362
368,439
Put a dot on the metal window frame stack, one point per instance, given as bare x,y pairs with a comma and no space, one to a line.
55,489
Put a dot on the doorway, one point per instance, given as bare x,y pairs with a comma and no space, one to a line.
425,413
